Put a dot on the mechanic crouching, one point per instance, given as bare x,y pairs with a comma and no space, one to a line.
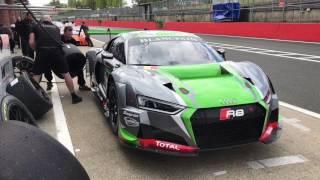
67,38
45,39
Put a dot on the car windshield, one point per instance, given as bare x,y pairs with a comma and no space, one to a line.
162,53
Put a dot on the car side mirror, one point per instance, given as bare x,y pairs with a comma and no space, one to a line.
106,55
222,52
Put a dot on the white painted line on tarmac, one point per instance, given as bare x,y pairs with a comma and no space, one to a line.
220,173
63,134
101,42
266,39
278,161
299,109
255,165
269,52
295,123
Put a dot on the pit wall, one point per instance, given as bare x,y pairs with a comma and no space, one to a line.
309,32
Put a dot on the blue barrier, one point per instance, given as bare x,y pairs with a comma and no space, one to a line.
226,12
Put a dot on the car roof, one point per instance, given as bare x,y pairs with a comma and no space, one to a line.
155,33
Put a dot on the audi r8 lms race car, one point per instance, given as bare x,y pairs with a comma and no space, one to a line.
171,92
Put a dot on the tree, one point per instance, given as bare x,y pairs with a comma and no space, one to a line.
72,3
93,4
57,4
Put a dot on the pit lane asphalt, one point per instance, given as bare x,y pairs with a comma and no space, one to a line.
296,82
103,158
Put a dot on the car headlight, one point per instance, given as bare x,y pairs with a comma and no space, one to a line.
158,105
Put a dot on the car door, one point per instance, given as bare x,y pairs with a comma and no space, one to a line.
115,47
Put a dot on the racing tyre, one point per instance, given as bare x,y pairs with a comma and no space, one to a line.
113,107
13,109
27,153
31,94
22,63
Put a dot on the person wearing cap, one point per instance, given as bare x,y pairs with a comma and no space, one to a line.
45,39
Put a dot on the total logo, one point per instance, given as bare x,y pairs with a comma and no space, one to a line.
228,113
167,145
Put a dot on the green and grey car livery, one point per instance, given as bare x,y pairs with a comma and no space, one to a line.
170,92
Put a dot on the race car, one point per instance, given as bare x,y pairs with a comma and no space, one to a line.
171,92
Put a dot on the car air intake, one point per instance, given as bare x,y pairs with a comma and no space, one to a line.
227,126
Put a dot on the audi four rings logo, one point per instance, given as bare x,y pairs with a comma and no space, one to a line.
227,113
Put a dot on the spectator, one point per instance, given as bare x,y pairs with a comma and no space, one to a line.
85,29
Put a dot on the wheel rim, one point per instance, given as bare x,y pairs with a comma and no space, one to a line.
18,114
23,65
113,107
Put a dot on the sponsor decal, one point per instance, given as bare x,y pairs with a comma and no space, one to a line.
173,38
14,82
163,145
228,113
166,145
131,119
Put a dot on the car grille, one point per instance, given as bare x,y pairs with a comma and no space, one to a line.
211,132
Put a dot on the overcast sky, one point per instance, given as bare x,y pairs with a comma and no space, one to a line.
43,2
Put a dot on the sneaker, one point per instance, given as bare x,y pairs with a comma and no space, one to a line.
84,88
76,99
49,86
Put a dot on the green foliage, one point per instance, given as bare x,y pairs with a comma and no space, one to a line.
145,1
57,4
94,4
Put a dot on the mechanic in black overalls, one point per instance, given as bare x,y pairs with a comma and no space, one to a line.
67,38
24,28
46,41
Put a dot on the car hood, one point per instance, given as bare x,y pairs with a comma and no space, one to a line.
196,86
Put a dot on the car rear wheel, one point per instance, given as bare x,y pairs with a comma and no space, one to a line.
113,107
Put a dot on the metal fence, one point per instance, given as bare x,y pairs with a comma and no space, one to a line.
201,10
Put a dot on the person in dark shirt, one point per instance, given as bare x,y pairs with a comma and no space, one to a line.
24,28
67,36
67,39
1,44
45,39
85,29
